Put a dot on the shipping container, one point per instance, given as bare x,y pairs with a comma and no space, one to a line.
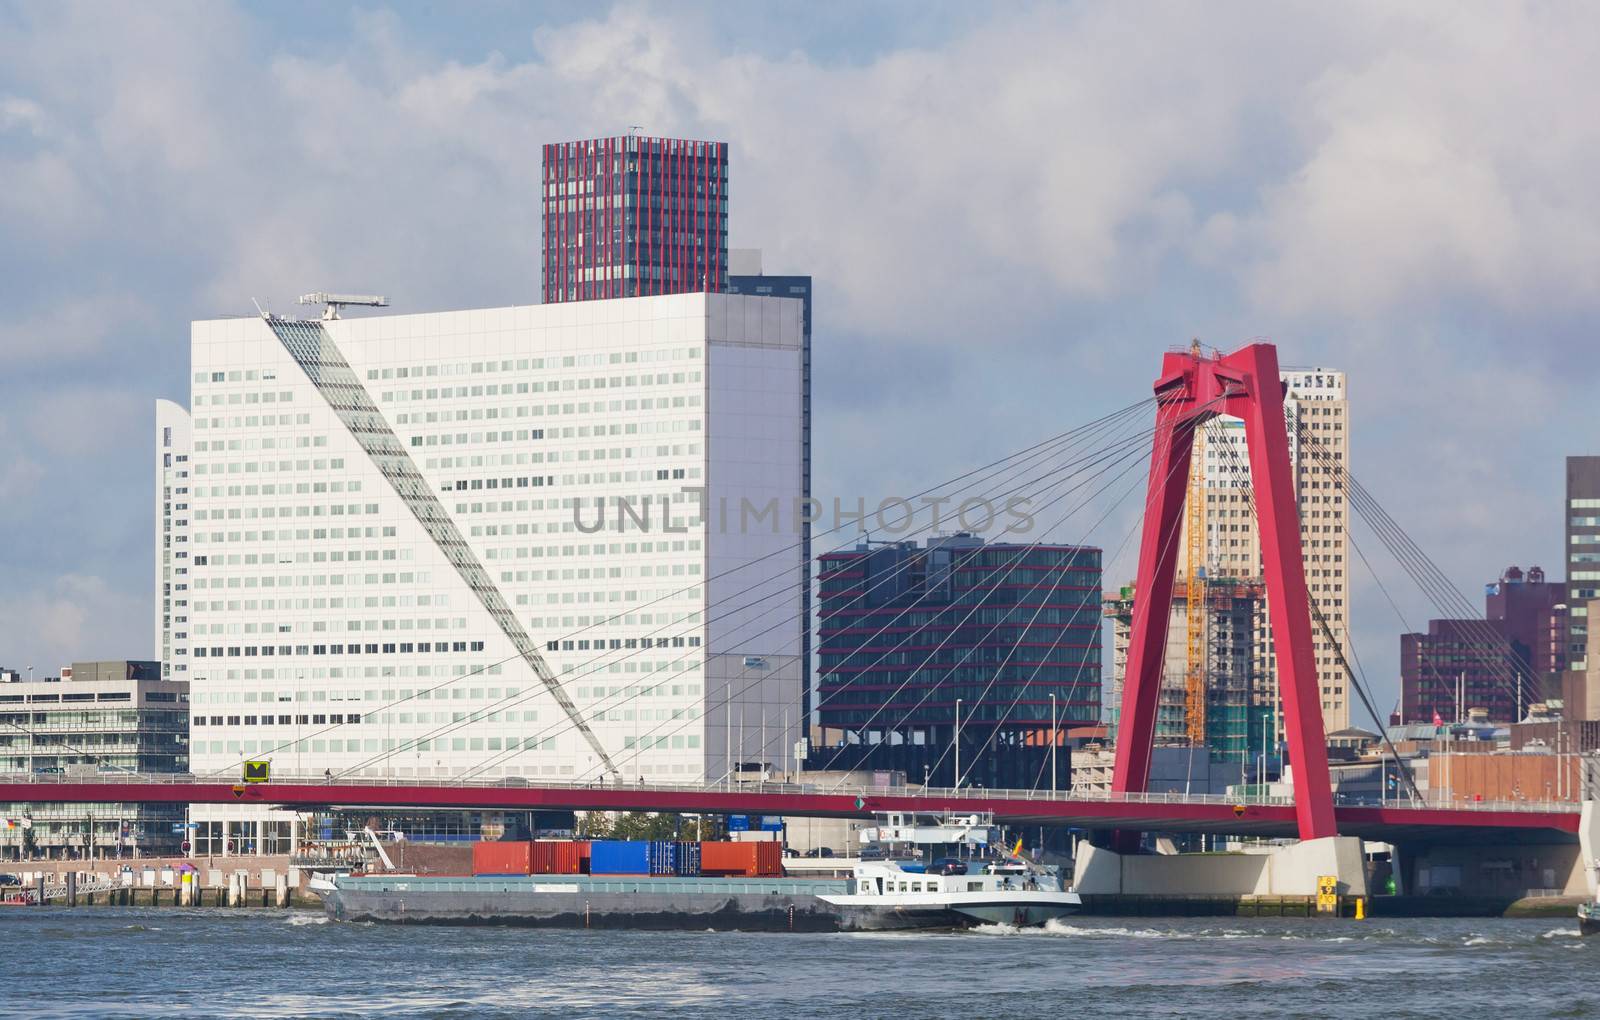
555,857
764,859
502,858
583,855
663,857
619,857
688,858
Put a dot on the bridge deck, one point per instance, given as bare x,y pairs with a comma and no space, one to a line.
1498,823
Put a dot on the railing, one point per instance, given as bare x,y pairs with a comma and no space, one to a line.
802,788
56,891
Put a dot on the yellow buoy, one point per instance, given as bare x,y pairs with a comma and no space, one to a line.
1361,908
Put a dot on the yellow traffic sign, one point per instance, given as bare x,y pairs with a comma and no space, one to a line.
257,771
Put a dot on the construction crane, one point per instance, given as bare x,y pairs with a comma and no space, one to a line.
1194,705
332,303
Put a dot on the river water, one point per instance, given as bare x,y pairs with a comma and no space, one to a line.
169,962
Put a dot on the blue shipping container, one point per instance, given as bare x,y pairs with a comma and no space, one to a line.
619,857
663,857
689,859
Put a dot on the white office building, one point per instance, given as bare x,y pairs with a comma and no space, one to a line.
172,485
410,555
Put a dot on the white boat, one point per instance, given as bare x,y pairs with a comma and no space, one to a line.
888,895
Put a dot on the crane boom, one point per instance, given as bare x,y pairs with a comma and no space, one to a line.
1194,702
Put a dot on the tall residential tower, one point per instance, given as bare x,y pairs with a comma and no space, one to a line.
1318,413
631,216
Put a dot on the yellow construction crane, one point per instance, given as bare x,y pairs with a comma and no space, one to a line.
1195,595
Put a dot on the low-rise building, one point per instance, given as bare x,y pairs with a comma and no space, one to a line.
96,718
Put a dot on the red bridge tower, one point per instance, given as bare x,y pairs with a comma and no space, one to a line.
1192,390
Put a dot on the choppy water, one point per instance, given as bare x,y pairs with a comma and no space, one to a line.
121,962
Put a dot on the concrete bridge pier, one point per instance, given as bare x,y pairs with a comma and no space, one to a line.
1589,845
1271,871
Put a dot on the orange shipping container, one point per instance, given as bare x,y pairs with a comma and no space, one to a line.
502,858
555,857
763,859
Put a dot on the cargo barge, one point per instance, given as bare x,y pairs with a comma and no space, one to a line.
681,885
880,896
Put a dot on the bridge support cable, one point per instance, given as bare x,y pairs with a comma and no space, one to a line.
1025,459
1357,681
1403,558
1022,688
937,686
1435,586
905,610
1116,448
1408,563
609,703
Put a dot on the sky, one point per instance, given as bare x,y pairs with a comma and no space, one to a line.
1010,210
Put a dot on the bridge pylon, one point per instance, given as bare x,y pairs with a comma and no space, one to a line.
1193,389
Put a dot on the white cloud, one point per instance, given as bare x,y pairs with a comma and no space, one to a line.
1449,160
1012,221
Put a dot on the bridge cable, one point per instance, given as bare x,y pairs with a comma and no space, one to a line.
1246,485
1438,589
951,632
1048,446
1167,544
731,696
500,706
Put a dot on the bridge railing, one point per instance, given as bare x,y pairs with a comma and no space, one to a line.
972,793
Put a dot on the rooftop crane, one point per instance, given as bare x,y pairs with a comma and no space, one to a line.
332,303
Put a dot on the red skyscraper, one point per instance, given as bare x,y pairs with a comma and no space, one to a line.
633,215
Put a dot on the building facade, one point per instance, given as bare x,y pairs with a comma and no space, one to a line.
476,543
97,718
1234,716
172,451
747,277
1458,666
1533,611
632,216
1581,518
1000,640
1316,409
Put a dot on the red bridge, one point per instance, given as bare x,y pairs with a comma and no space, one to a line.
1519,822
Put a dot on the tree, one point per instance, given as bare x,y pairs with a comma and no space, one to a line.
636,825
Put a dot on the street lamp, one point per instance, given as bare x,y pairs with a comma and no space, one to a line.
1055,738
958,743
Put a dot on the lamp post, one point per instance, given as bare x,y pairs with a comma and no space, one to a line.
958,743
1055,738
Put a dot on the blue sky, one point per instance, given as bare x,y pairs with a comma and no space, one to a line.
1010,211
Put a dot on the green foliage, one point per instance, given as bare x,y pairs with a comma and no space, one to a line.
640,825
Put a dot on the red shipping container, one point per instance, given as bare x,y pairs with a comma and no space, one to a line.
555,857
764,859
769,858
502,858
583,856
